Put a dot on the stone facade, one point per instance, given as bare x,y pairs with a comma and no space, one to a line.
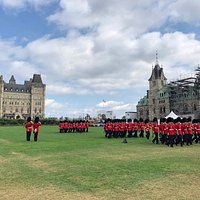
18,101
182,96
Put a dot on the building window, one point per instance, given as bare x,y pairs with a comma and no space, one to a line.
185,108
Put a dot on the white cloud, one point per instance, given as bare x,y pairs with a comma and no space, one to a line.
19,4
114,105
187,11
52,104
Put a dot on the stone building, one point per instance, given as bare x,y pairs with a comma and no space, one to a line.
18,101
181,96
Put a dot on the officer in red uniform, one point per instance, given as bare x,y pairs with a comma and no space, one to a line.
28,125
36,126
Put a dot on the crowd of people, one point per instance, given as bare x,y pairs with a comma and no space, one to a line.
168,131
79,126
32,127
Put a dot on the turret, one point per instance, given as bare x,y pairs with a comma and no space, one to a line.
37,96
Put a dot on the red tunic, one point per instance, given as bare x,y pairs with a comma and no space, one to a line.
28,126
36,127
172,129
155,128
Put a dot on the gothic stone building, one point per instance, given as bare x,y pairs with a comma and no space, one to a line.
181,97
18,101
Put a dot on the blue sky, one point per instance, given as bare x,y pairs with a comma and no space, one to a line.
88,51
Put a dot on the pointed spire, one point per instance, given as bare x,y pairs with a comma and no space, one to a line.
12,80
156,57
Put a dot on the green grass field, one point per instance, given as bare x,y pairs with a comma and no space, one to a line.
90,166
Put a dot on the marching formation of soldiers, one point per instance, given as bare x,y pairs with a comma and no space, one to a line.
73,126
121,128
176,131
168,131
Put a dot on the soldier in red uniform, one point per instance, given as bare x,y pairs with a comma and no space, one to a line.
155,130
198,131
189,130
28,125
136,127
172,132
36,126
61,127
141,127
147,128
130,128
179,131
116,130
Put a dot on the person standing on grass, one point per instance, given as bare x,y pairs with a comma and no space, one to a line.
28,125
36,126
155,130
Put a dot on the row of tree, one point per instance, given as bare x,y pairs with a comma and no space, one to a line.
19,122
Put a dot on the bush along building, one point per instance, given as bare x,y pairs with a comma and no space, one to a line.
18,101
181,96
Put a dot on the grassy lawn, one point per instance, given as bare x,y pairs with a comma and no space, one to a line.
89,166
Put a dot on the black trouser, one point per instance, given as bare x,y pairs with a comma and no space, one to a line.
179,140
188,139
171,140
110,133
195,138
35,136
141,133
164,139
147,135
155,138
130,134
135,134
115,134
28,136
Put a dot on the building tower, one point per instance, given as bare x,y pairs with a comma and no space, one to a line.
37,96
156,83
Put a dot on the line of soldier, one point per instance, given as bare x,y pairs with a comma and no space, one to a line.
169,131
121,128
176,131
80,126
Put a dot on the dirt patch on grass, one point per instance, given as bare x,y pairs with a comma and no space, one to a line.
170,188
5,142
43,193
143,154
2,160
34,162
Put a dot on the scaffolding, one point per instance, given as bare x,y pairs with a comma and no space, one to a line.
184,95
